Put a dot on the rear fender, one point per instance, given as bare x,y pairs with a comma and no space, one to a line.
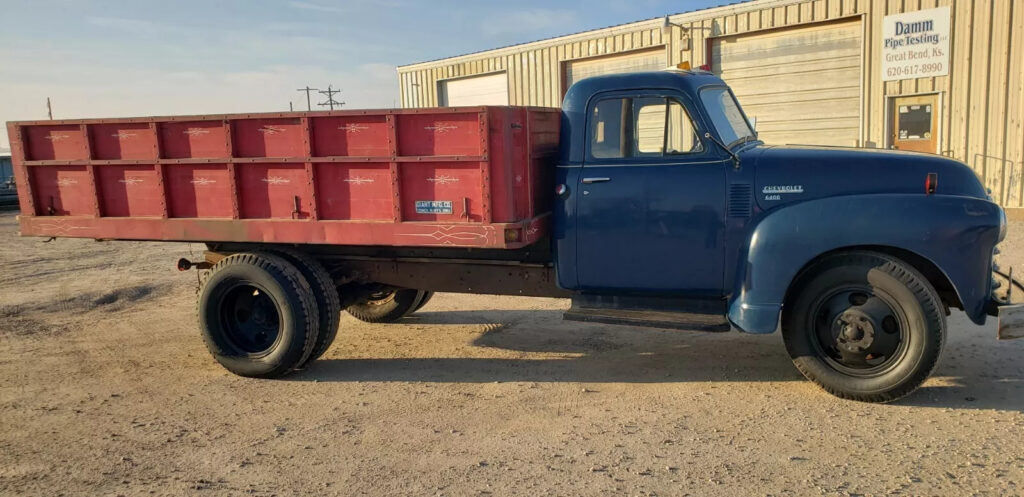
956,234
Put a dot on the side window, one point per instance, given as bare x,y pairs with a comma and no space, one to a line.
641,127
608,129
681,134
649,116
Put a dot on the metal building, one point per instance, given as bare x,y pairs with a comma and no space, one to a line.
831,72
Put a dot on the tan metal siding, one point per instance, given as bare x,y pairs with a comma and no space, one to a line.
535,74
645,60
981,100
999,40
1014,146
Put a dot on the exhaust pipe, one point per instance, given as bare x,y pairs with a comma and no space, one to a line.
185,264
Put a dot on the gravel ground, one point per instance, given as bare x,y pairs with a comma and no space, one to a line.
106,389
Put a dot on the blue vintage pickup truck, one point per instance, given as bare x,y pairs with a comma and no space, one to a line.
668,211
856,255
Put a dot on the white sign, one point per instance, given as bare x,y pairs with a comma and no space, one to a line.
915,44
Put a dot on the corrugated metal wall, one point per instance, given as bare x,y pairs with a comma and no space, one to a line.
982,98
535,74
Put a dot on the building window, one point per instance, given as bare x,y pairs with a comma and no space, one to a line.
915,122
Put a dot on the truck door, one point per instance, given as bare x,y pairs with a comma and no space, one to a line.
651,200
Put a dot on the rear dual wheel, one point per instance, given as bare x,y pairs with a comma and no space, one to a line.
387,305
423,301
324,292
266,314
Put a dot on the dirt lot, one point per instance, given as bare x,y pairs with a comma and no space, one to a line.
106,389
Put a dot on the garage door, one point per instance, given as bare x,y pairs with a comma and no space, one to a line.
798,85
650,60
489,89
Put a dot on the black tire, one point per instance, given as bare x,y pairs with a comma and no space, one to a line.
423,301
324,291
386,306
257,315
864,326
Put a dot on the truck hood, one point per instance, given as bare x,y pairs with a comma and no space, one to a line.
786,174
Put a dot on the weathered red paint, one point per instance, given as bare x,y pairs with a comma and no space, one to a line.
348,177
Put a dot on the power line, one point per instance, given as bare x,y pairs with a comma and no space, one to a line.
330,91
307,89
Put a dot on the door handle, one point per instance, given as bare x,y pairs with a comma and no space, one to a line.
587,181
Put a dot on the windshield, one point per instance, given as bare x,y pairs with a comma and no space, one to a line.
726,115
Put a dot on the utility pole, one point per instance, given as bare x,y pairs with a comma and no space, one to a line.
330,91
49,109
290,107
307,89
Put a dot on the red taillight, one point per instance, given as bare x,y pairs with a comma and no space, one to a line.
930,182
705,67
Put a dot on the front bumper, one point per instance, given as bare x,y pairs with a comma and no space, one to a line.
1011,321
1009,315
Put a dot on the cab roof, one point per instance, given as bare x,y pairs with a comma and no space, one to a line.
686,81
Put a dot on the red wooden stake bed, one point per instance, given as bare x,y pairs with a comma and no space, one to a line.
464,177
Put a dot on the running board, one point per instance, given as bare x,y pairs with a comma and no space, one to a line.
679,314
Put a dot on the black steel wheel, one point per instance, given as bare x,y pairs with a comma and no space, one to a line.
865,326
257,315
386,305
249,318
859,330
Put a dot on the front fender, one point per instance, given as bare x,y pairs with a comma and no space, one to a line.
955,233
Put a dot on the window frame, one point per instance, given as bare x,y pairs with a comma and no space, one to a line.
591,128
629,125
736,102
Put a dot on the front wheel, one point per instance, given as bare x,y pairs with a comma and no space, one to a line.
864,326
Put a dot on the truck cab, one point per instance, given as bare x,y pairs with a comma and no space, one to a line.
667,190
645,189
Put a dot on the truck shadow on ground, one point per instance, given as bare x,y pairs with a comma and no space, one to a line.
566,351
595,353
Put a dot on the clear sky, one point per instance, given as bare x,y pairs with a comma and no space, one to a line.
103,58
